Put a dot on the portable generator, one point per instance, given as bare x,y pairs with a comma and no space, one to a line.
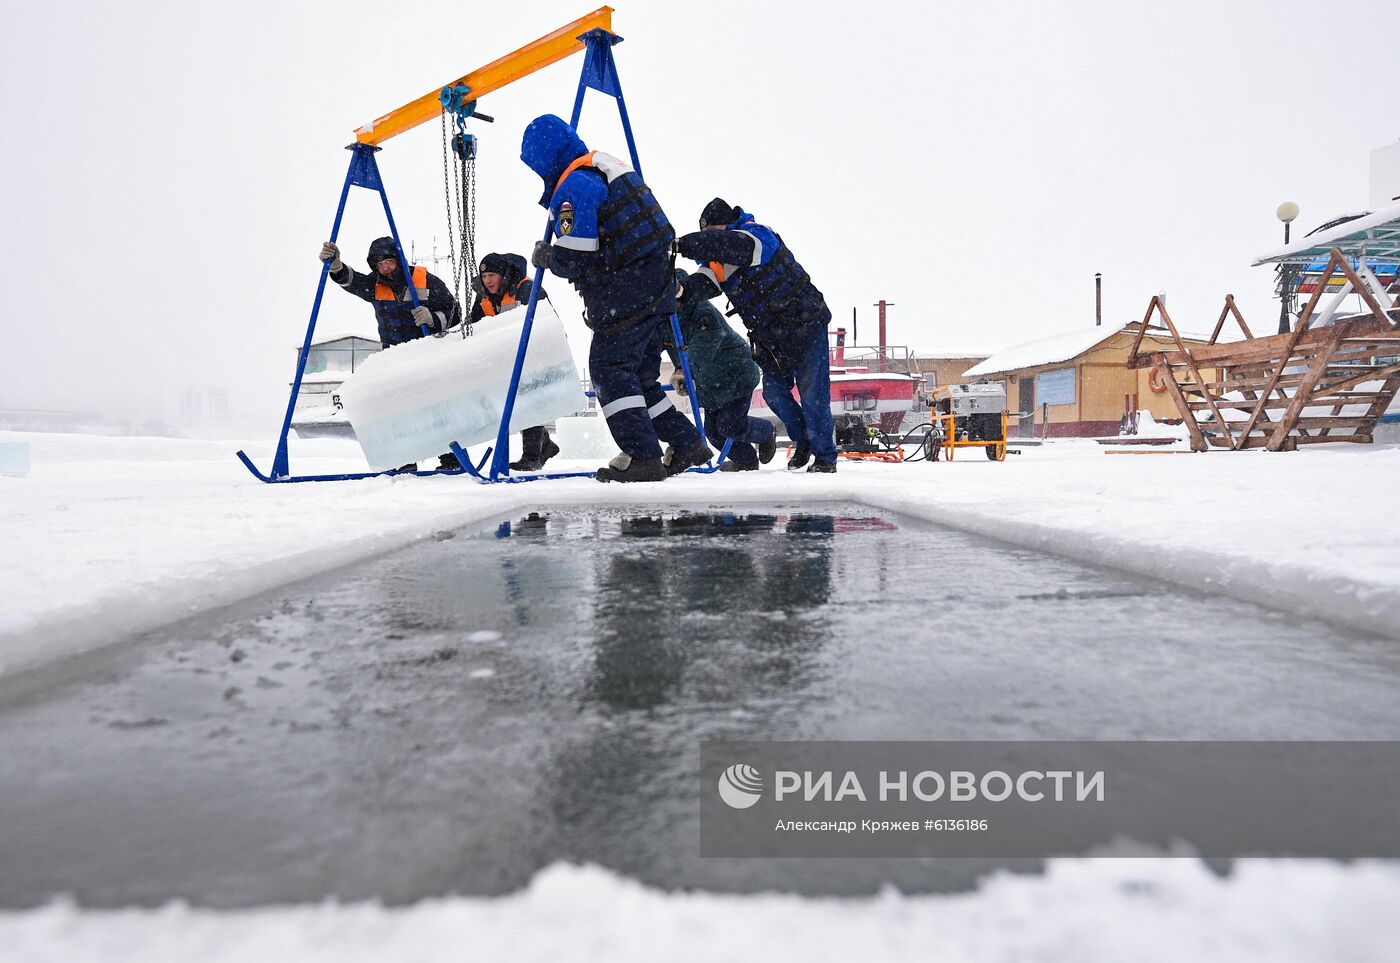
969,415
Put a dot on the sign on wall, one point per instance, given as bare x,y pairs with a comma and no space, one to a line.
1055,387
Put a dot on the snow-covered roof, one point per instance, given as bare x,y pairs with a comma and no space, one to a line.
1057,347
1377,235
325,339
954,352
1067,345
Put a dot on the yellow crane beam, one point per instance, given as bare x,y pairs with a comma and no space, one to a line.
539,53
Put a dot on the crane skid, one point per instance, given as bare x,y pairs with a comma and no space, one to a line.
414,400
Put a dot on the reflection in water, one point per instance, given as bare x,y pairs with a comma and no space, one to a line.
709,610
705,585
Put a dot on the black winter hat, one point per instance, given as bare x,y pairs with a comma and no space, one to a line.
495,264
380,248
718,211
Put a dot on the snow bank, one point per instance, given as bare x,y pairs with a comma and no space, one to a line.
111,536
1089,910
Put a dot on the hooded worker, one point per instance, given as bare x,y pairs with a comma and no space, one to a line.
386,287
611,241
725,377
786,315
501,286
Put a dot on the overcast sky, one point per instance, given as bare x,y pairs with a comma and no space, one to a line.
170,170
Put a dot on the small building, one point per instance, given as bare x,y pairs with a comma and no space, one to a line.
1077,384
318,412
946,366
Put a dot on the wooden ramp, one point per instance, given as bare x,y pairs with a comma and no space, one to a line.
1321,382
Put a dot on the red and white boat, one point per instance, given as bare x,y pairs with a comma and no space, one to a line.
878,384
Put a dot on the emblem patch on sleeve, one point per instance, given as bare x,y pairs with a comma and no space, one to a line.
566,218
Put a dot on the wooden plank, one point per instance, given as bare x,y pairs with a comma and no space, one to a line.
1198,438
1286,353
1386,396
1357,439
1271,346
1225,312
1326,421
1302,398
1133,351
1375,374
1191,367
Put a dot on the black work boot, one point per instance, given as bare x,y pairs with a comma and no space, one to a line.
531,440
823,467
625,468
767,449
799,458
735,466
549,450
448,462
681,460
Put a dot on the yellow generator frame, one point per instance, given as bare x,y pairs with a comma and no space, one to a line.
947,425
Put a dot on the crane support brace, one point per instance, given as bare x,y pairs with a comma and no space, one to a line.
550,48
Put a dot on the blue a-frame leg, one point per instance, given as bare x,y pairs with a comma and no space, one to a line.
363,172
600,73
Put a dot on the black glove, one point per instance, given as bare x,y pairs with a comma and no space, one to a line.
478,287
329,252
686,245
539,257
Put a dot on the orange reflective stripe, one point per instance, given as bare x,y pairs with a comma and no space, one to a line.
718,268
585,161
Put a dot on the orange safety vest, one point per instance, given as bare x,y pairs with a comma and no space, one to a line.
382,291
489,309
718,270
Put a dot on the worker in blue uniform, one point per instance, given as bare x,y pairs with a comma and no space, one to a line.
386,287
611,241
399,320
501,285
785,314
725,376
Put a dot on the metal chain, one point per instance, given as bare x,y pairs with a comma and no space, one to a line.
447,177
459,181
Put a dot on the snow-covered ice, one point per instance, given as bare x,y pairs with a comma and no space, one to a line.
109,535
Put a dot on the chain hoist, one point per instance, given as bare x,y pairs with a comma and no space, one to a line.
459,191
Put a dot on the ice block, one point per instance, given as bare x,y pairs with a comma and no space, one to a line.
409,402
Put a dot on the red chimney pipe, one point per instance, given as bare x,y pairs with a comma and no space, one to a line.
882,304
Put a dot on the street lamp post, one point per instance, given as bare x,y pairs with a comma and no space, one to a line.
1287,213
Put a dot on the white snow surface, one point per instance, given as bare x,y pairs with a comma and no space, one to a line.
1081,910
113,535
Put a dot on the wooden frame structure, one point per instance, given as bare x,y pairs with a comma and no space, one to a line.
1317,383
